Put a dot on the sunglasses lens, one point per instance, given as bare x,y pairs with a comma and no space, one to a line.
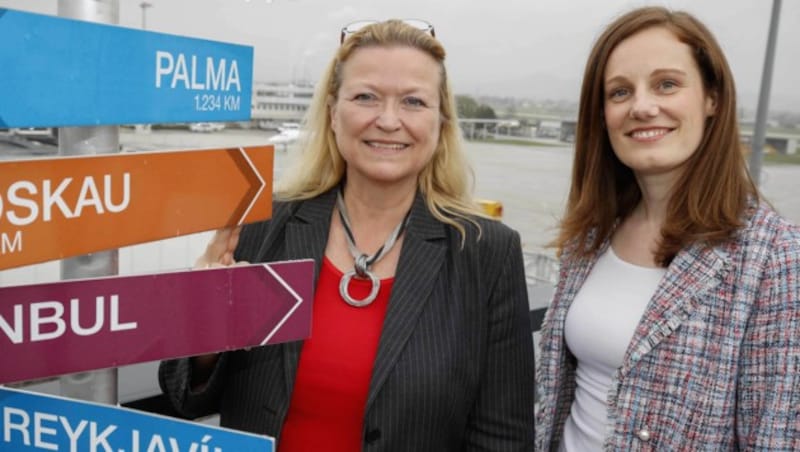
358,25
355,26
419,24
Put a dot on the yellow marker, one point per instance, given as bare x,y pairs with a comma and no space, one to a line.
492,208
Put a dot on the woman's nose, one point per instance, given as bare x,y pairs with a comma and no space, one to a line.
389,117
644,107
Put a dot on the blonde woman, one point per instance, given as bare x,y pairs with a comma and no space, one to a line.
420,337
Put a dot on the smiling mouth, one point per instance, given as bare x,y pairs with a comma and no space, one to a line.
649,134
387,146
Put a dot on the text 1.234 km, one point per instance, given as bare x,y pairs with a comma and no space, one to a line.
217,102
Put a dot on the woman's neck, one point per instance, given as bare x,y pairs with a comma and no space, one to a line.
637,238
656,194
376,205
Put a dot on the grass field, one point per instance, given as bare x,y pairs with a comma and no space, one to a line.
793,159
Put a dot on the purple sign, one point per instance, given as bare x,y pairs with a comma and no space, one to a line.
79,325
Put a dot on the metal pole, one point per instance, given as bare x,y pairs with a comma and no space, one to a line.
144,6
763,99
143,128
99,386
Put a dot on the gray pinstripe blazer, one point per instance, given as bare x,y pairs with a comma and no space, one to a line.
455,366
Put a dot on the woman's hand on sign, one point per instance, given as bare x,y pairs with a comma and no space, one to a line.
219,252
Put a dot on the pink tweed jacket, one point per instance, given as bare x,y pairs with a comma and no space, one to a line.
714,363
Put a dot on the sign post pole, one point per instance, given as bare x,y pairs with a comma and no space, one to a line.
759,133
98,386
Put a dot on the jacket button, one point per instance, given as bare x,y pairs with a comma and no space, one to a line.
643,435
372,436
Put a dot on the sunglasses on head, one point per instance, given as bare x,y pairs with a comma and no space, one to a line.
358,25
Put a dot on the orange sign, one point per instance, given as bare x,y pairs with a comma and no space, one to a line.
67,206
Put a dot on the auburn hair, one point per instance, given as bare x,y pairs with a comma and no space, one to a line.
708,200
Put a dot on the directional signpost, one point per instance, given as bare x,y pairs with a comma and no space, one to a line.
35,422
73,326
59,72
64,72
61,207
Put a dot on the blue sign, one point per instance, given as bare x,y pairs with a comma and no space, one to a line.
65,72
35,422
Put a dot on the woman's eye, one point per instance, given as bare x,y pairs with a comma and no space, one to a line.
668,85
618,93
414,102
365,98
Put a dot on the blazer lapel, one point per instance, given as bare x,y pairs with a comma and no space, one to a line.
306,237
693,272
420,259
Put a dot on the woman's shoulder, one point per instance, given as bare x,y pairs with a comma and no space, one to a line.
321,204
269,232
282,211
489,232
765,225
281,207
766,235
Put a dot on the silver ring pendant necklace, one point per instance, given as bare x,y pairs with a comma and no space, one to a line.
363,262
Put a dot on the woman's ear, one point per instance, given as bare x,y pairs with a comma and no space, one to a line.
332,114
711,103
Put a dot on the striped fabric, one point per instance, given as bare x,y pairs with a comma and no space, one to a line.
714,363
454,369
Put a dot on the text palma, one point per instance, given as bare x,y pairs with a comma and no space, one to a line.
196,74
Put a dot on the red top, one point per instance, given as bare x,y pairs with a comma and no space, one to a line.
330,391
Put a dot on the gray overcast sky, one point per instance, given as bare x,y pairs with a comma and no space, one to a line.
522,48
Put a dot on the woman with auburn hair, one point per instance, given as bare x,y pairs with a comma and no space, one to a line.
420,332
675,324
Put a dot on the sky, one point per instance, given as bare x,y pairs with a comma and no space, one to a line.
532,49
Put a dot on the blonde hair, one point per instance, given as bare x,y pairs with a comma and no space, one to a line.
445,182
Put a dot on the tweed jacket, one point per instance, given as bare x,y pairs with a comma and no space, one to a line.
714,363
454,369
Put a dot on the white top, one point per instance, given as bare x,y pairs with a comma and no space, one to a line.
599,326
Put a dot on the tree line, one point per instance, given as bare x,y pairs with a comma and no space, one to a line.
469,108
